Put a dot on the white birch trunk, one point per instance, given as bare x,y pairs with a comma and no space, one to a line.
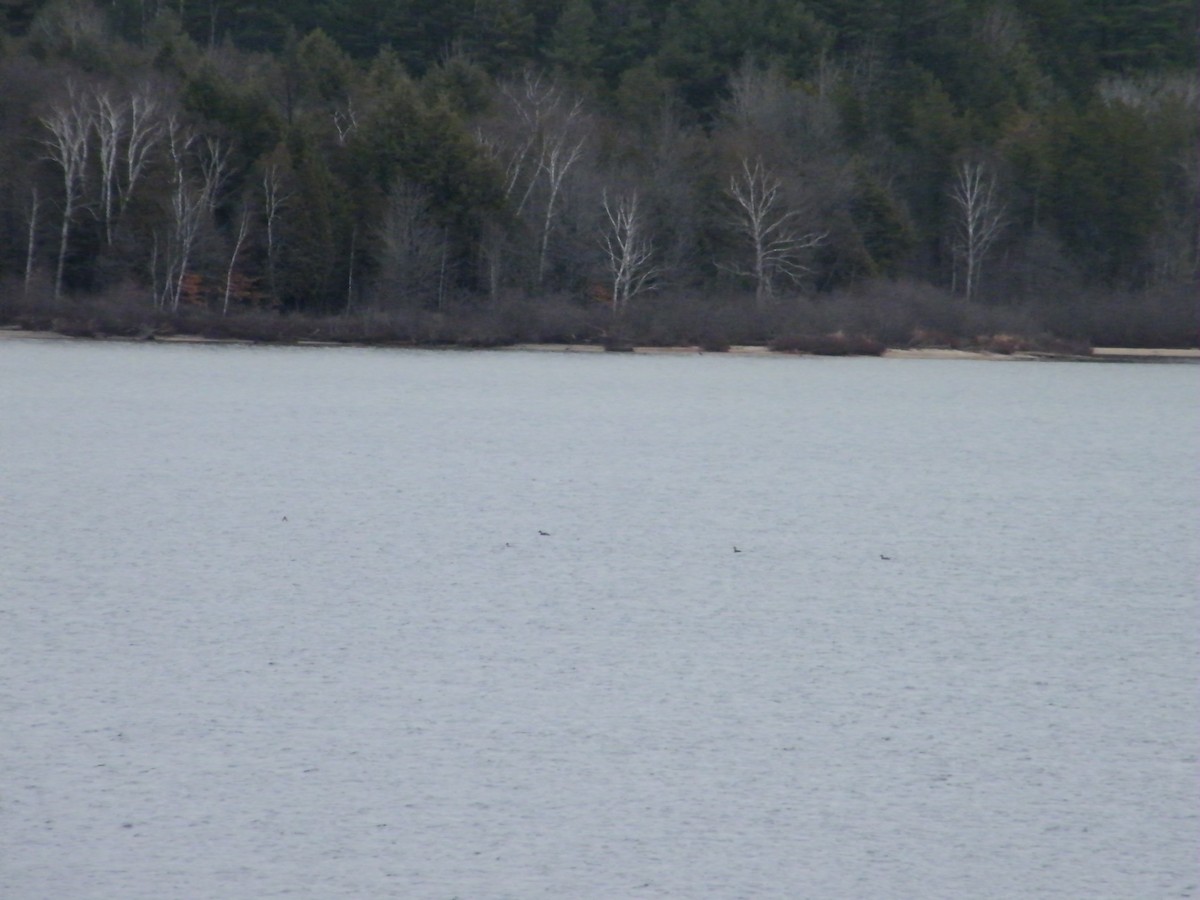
70,127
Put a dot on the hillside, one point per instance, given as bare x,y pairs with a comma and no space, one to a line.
925,170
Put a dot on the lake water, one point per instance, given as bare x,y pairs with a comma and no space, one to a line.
280,622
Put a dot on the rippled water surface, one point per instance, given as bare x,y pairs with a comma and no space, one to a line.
282,622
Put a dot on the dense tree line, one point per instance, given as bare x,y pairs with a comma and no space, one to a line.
341,156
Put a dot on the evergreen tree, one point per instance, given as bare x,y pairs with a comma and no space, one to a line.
17,15
1106,187
885,234
573,48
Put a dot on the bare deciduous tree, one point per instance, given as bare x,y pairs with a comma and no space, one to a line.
145,128
535,106
762,217
536,147
35,206
127,131
71,25
345,121
351,260
414,250
238,241
783,119
275,197
627,250
110,121
978,221
124,131
555,163
68,146
197,174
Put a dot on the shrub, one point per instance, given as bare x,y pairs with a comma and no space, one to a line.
861,320
1003,344
837,344
710,344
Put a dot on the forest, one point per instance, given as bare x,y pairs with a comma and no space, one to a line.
821,175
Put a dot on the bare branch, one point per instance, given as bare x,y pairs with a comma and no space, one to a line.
627,249
239,240
110,122
35,206
978,222
70,126
145,130
126,133
414,249
537,144
345,121
197,176
275,198
214,171
557,159
762,218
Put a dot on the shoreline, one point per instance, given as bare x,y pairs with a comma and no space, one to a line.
1098,354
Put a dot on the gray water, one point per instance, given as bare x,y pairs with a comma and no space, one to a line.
280,622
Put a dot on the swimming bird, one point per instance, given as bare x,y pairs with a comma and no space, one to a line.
735,549
543,533
881,556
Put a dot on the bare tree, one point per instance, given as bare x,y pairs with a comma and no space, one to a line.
110,120
214,170
536,145
35,206
556,161
127,131
768,225
71,25
627,250
350,263
144,130
978,221
238,241
69,123
414,249
535,107
186,205
197,174
783,119
345,121
275,197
